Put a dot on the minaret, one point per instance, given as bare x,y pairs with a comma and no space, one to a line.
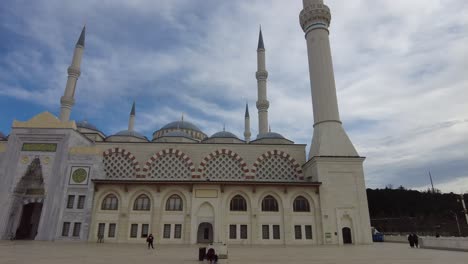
67,101
329,138
131,120
261,75
247,133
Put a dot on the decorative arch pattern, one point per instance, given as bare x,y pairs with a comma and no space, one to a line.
169,164
223,165
120,164
276,165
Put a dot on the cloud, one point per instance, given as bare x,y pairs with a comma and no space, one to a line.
399,69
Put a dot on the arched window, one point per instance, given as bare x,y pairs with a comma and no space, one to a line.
142,203
174,203
269,204
301,204
110,202
238,203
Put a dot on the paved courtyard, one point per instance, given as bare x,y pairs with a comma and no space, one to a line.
37,252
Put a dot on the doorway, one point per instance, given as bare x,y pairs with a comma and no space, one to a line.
346,232
205,233
29,222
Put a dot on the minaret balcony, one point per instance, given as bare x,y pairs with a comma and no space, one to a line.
314,14
73,72
261,75
263,105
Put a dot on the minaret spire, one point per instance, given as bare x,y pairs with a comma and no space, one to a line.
67,100
247,133
260,40
329,138
131,120
81,40
262,75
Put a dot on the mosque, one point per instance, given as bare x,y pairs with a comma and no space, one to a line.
66,180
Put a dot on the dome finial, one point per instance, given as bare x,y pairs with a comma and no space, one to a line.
269,129
224,126
182,119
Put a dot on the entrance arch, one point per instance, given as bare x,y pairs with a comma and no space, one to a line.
27,206
29,222
205,233
347,237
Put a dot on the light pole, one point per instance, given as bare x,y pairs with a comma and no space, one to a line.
458,225
464,207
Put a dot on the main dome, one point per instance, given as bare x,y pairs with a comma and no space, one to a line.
184,126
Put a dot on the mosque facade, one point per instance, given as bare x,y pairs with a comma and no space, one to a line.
66,180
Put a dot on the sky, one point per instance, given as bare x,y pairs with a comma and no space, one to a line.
400,71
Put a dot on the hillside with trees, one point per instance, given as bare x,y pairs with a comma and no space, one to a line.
400,211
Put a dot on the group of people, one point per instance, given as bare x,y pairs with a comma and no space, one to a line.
210,255
413,240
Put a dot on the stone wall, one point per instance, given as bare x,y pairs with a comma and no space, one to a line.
206,204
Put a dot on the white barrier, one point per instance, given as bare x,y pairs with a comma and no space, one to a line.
396,239
448,243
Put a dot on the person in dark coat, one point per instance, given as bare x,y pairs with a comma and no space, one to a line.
415,240
211,256
411,240
149,240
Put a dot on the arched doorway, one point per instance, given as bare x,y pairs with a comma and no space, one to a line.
29,222
347,238
205,233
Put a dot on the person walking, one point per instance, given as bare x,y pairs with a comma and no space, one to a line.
411,240
149,240
415,239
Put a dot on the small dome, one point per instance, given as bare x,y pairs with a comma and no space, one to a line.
181,125
270,135
130,134
224,134
177,133
86,124
2,136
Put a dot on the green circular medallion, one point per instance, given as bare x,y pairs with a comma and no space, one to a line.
79,175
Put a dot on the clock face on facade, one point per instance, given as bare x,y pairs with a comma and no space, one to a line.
79,175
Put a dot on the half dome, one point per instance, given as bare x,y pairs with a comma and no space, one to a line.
128,133
223,134
271,138
270,135
2,136
181,125
87,125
